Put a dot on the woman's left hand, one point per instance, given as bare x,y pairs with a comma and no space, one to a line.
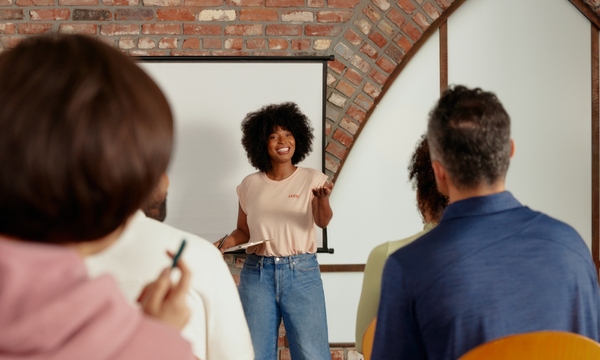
320,204
323,191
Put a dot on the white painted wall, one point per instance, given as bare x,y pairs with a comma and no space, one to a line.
538,63
372,205
544,81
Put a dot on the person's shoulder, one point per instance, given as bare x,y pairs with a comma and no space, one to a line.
252,177
398,244
545,226
152,230
315,176
249,181
410,251
378,254
382,251
310,171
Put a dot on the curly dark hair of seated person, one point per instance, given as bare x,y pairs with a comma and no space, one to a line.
420,173
257,126
469,133
85,136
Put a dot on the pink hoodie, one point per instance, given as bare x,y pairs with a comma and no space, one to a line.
50,309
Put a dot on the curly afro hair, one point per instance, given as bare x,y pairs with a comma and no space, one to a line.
257,126
420,173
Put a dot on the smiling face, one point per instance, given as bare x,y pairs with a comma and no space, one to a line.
281,145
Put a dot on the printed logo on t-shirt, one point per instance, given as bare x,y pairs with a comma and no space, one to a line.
294,196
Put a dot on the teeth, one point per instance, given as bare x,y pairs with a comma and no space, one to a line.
282,150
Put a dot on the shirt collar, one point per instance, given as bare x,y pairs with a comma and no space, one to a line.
481,205
429,226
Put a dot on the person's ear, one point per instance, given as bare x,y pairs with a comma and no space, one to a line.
512,148
164,182
441,177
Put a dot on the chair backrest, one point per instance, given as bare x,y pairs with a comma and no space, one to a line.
368,338
555,345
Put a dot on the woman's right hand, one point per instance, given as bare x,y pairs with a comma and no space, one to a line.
221,244
165,300
235,238
238,236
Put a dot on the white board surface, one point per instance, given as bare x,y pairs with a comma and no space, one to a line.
209,101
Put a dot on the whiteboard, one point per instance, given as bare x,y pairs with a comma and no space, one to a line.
209,99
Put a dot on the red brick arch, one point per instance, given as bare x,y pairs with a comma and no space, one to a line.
376,45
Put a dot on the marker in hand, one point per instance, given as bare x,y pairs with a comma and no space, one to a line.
222,241
178,255
164,299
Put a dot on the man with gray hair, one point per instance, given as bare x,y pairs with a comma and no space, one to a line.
492,267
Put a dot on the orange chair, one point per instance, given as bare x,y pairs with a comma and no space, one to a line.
546,345
368,338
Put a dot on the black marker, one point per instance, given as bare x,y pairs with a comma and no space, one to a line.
178,255
222,241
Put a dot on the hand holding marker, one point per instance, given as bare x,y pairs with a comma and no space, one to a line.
165,300
178,255
222,241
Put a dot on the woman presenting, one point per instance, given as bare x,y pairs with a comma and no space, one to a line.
282,202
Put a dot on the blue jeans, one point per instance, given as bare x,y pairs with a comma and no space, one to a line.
272,288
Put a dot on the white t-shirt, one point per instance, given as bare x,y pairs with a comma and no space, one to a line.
217,328
281,211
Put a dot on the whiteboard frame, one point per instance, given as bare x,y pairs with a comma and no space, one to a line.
263,59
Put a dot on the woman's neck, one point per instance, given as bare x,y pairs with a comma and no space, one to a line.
281,171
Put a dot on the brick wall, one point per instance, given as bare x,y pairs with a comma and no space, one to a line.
594,5
370,39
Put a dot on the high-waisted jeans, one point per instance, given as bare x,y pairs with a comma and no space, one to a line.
272,288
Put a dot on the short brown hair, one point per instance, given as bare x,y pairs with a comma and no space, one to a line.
469,133
85,136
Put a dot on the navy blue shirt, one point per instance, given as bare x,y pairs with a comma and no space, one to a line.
491,268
